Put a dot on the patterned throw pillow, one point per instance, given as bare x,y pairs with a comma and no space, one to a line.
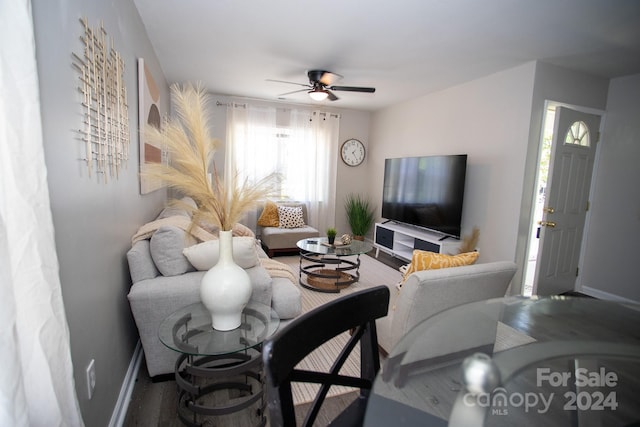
290,216
425,260
269,215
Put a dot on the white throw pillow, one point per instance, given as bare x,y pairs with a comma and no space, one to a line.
205,255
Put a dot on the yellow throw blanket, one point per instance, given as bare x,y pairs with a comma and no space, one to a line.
278,269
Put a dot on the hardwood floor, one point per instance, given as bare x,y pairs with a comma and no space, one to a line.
153,404
387,259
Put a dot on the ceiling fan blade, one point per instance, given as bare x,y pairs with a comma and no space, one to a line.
325,77
291,83
331,96
353,89
292,92
329,78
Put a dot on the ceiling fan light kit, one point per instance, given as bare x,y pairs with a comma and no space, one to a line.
318,95
320,86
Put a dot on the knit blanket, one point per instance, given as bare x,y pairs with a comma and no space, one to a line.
184,223
278,269
179,221
273,267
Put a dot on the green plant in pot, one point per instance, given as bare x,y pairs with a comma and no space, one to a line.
331,235
360,215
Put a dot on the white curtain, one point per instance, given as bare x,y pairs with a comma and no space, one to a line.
299,144
241,138
318,133
36,375
251,139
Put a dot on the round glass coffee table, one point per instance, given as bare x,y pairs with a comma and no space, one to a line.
317,257
219,372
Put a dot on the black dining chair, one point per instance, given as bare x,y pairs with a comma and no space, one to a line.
357,313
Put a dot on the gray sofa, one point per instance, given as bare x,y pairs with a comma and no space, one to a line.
429,292
164,281
277,240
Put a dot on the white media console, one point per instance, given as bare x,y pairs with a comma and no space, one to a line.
400,240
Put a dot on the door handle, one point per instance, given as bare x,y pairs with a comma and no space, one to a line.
547,223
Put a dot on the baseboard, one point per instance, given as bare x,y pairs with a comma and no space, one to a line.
597,293
122,405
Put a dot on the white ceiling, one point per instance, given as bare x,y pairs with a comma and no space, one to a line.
403,48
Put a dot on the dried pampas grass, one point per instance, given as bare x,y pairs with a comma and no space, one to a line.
191,169
470,241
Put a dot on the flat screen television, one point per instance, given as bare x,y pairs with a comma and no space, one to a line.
426,192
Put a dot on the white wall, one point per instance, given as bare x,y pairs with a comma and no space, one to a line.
353,124
609,269
496,120
488,119
558,84
93,221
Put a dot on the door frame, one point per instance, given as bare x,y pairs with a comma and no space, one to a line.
532,224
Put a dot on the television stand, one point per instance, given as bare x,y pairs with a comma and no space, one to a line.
400,240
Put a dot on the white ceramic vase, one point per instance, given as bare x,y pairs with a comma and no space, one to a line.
226,288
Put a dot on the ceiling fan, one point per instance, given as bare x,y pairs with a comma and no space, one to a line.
320,86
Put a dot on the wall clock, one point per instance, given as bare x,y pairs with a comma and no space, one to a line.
352,152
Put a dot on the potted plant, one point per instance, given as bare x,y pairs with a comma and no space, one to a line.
331,235
360,215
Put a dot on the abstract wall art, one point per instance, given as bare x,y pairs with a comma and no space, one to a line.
105,134
150,114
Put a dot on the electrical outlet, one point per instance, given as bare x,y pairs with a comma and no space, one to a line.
91,378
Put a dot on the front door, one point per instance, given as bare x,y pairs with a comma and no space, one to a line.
566,203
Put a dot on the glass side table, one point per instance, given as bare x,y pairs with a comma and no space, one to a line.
219,373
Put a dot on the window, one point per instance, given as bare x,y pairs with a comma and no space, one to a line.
280,150
300,145
578,134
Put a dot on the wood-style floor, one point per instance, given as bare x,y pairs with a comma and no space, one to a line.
154,405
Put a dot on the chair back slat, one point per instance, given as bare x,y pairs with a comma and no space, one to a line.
283,351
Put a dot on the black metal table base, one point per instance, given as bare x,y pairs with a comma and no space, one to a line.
316,277
199,379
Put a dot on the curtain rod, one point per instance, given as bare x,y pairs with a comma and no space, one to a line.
326,113
235,104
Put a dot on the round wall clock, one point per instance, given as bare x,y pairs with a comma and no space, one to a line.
352,152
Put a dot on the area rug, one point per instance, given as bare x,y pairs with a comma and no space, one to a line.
372,273
508,337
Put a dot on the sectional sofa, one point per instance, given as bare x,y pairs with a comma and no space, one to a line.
164,280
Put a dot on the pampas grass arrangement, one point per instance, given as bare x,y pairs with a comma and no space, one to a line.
191,169
470,241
